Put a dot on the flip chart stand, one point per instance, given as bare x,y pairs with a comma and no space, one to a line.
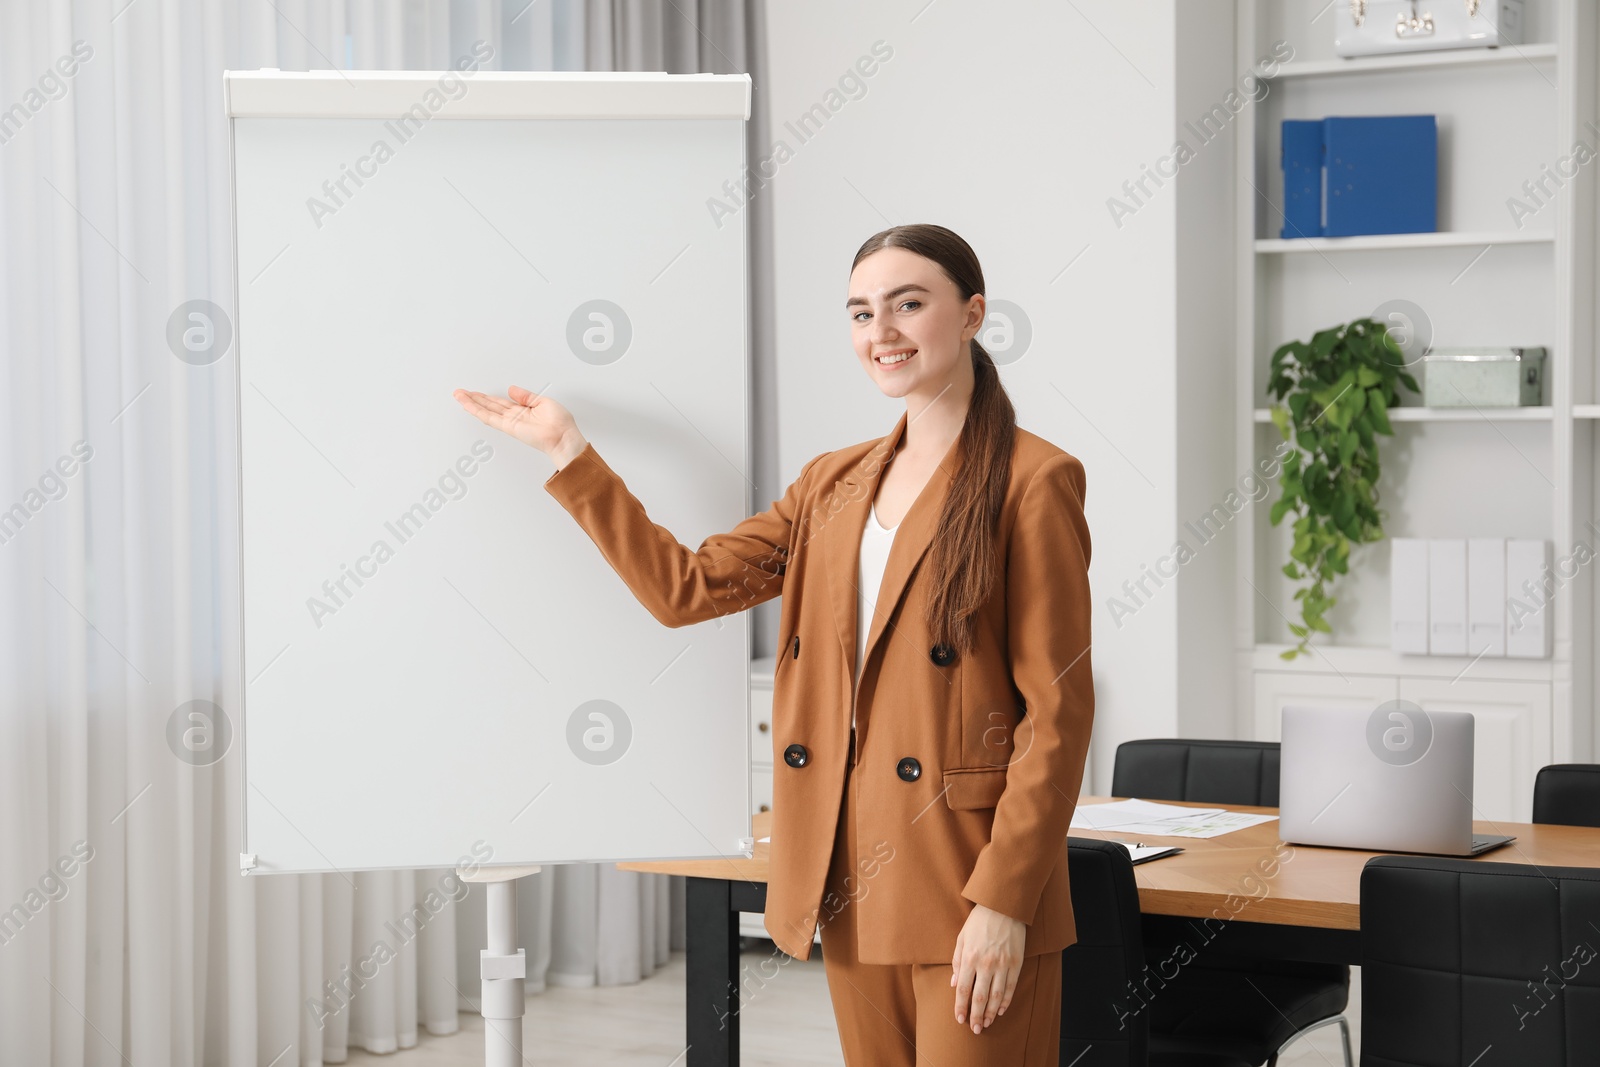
502,966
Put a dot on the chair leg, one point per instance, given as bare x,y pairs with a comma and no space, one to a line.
1344,1035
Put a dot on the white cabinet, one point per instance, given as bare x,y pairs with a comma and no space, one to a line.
1276,689
761,719
761,734
1511,737
761,788
761,670
1511,721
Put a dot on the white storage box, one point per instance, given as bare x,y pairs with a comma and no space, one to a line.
1375,27
1483,377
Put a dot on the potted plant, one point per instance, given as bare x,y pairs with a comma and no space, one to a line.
1333,394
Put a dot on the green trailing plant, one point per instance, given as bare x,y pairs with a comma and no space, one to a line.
1333,395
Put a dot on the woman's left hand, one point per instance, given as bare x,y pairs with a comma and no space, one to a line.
985,966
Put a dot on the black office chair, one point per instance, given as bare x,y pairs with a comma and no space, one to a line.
1245,1007
1568,794
1476,962
1104,1018
1210,772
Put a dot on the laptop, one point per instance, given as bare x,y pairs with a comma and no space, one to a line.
1396,780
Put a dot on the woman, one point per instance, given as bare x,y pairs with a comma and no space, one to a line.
932,698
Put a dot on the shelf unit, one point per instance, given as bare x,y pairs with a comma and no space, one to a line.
1506,116
1528,53
1400,240
1421,414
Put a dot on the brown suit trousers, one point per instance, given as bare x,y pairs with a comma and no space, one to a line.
903,1014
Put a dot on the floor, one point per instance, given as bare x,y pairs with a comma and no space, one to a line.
788,1020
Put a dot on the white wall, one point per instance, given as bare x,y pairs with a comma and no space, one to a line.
1013,123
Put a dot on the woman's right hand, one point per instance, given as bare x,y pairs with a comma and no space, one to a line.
530,418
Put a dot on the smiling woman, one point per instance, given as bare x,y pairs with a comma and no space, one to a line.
916,303
941,723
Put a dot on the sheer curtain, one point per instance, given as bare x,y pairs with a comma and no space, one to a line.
127,934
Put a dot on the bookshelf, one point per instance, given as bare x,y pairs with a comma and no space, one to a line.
1462,57
1488,277
1399,240
1422,414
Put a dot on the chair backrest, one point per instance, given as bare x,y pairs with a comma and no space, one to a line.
1464,961
1210,772
1103,1021
1568,793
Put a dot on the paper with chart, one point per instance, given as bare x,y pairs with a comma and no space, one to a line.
1163,820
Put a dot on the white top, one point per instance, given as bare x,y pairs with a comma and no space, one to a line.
875,541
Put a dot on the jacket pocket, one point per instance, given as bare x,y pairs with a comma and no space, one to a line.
786,651
974,787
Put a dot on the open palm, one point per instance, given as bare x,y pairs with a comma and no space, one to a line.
530,418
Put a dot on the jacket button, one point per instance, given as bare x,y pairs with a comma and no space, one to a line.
796,756
795,647
942,654
909,769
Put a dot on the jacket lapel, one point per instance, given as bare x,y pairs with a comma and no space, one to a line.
842,540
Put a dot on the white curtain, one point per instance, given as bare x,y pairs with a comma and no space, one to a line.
127,934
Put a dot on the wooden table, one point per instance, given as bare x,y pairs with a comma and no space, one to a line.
1279,901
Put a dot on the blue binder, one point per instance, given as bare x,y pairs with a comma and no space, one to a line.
1382,174
1302,178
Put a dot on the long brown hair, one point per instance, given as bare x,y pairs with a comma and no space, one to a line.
964,552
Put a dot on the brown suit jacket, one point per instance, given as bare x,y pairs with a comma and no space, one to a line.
968,767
